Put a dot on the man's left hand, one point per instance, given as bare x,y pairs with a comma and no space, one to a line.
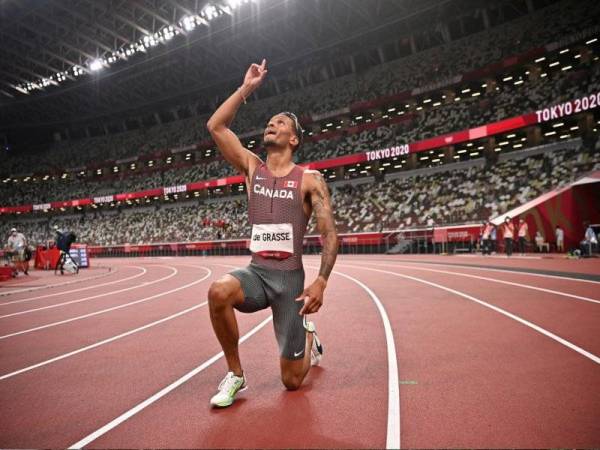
313,296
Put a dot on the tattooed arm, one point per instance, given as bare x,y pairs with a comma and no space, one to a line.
321,207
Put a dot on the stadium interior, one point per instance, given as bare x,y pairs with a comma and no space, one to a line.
115,146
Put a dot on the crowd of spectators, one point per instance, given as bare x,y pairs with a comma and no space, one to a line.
457,196
508,101
444,197
417,70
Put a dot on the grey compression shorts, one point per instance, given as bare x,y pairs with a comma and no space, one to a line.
278,289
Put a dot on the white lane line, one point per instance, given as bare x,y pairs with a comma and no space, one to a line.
461,274
65,283
137,275
85,299
139,407
531,325
489,269
393,420
72,319
393,416
114,338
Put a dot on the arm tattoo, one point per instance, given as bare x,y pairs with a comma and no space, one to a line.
326,225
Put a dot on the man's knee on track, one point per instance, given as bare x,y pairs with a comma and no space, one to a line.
291,382
220,295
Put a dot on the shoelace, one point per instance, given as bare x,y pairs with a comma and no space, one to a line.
228,382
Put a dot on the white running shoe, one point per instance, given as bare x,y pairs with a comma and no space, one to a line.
228,388
316,351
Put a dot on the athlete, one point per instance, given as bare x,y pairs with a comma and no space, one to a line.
282,196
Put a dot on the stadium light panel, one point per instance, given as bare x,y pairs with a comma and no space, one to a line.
563,51
574,128
465,91
507,78
550,133
566,68
391,109
591,41
210,12
96,65
539,60
577,56
555,63
559,124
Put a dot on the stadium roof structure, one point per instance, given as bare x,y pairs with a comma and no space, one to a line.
74,61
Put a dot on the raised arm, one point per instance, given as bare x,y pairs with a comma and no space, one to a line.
321,206
218,125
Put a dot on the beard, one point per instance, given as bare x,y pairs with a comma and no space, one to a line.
269,142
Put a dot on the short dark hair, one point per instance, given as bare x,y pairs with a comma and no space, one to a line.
297,127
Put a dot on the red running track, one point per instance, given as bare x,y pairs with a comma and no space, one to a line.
476,354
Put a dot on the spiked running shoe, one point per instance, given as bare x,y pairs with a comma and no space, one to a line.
316,351
228,388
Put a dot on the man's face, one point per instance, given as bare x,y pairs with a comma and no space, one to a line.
280,132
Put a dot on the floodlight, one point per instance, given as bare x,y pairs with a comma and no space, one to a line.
96,65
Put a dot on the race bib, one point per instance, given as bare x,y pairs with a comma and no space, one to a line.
275,240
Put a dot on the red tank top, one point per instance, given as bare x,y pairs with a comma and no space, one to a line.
276,213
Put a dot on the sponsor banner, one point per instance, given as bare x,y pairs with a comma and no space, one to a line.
15,209
328,114
582,104
104,199
139,194
41,207
391,152
564,109
175,189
